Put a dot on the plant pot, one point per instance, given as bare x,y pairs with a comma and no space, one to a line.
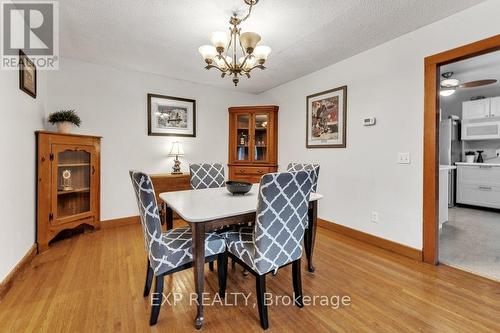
469,158
64,127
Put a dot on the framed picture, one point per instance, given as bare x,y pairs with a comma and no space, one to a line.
171,116
327,119
27,75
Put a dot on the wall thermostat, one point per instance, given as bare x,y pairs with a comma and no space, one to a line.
369,121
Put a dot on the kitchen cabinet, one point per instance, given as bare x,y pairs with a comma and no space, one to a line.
478,185
495,107
476,109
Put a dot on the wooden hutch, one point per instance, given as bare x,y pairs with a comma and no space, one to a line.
253,142
68,183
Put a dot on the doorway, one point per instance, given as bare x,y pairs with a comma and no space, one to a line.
431,137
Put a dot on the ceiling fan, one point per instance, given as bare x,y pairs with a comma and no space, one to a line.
449,85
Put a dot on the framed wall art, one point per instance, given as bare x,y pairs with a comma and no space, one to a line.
27,75
327,119
171,116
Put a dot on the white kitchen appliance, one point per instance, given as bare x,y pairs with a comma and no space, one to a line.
481,129
450,151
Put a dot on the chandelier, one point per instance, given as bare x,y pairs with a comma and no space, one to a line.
225,55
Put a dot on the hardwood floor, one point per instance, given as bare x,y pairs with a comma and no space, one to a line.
94,282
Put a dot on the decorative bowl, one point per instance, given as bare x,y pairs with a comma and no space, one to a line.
237,187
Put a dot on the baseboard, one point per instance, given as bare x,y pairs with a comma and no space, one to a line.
9,280
373,240
120,222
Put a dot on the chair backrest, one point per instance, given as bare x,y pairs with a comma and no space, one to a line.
282,206
150,218
206,175
306,166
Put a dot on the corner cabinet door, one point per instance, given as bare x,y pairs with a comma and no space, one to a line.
261,134
73,183
241,137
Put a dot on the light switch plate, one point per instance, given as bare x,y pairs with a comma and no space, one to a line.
404,158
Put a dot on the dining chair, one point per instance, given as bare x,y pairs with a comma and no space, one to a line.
171,251
275,240
306,166
206,175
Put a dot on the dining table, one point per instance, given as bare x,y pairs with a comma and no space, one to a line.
212,208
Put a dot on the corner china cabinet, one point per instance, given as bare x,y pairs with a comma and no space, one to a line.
253,142
68,183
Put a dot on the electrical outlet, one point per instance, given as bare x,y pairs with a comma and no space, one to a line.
374,217
404,158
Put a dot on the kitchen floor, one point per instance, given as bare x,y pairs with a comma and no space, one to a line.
470,240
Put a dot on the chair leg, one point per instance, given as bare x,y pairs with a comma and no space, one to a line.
211,266
149,280
297,283
233,263
260,283
158,299
222,272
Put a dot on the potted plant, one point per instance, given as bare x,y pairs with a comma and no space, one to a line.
469,156
64,119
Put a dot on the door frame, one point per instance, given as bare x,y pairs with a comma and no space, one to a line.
431,137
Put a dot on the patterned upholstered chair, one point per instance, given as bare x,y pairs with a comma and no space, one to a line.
275,240
305,166
206,175
171,251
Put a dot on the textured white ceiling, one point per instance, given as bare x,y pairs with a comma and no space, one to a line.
162,36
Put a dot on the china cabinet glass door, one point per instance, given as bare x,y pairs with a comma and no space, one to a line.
72,176
260,137
243,137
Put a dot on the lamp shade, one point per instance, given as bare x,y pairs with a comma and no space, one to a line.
249,41
208,52
447,92
176,149
220,62
219,39
261,52
249,63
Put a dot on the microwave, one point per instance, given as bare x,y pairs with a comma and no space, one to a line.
481,129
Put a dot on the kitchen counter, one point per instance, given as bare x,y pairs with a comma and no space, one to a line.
478,164
446,167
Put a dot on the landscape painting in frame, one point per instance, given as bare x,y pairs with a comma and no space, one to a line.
171,116
327,119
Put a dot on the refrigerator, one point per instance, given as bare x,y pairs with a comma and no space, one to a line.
450,151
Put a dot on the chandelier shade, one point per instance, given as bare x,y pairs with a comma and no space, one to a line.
249,41
261,52
219,39
208,52
225,52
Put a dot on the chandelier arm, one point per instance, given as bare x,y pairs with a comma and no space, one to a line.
256,66
216,67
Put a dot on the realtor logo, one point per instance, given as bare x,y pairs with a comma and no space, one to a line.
32,27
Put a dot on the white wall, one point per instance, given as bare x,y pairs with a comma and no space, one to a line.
21,116
112,103
385,82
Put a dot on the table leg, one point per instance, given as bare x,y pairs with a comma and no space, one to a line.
311,234
169,217
198,230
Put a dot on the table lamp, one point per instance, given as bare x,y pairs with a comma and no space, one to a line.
176,151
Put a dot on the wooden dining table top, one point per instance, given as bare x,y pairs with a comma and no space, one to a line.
214,203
